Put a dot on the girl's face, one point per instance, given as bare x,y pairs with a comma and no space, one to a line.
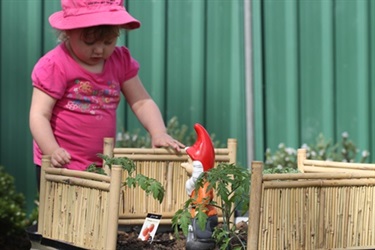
91,46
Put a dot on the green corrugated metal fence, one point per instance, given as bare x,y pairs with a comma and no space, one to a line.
313,71
191,56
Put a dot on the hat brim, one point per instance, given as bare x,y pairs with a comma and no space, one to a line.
121,18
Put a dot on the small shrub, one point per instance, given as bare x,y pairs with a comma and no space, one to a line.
12,205
181,132
284,160
344,151
13,219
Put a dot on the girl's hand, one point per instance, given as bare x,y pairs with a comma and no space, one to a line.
60,157
165,140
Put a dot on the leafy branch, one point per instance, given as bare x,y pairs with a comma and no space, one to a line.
149,185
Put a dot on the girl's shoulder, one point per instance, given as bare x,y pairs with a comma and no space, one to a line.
122,60
58,56
121,52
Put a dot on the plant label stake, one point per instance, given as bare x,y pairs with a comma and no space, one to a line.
149,228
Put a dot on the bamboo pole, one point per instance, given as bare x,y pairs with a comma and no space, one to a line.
318,183
368,217
316,169
104,218
336,164
232,148
46,163
291,220
76,213
168,151
304,176
264,215
361,215
346,214
151,157
55,212
113,207
335,208
96,227
80,214
170,157
371,217
308,215
142,151
82,219
321,219
255,205
47,231
301,157
77,181
78,174
90,223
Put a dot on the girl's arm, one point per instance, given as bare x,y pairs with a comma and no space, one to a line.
40,126
148,113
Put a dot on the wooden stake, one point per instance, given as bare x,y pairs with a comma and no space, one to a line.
254,208
113,206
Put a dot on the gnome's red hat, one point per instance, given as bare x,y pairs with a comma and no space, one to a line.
203,149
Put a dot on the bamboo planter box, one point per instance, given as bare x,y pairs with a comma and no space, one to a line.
79,208
333,210
163,165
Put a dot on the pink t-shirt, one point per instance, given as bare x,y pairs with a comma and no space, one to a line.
85,111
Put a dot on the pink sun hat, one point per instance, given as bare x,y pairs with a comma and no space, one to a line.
87,13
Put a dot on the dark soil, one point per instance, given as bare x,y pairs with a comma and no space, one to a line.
165,240
18,241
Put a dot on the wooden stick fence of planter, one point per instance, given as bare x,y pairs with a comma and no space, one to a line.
79,208
311,211
305,165
164,165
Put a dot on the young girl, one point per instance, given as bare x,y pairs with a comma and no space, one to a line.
77,86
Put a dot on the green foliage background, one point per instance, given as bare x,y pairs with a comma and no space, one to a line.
13,218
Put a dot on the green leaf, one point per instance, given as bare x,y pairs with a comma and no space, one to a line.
181,219
201,218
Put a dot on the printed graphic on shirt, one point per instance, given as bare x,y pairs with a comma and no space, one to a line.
84,97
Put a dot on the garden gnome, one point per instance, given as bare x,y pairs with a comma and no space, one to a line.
201,159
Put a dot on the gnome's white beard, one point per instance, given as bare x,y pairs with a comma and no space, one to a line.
197,170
